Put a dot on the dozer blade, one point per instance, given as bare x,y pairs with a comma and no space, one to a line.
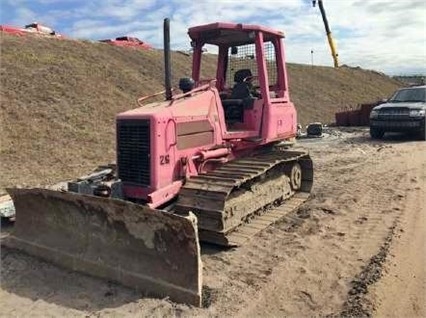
152,251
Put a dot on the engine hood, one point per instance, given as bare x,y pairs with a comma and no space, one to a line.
201,103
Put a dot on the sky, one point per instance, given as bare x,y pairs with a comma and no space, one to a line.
388,36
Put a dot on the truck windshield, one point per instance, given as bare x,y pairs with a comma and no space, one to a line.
409,95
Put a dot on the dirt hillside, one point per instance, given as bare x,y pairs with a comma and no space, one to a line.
59,99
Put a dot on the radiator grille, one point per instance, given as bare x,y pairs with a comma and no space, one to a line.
394,111
133,151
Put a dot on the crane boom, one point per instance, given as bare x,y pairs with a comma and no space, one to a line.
328,32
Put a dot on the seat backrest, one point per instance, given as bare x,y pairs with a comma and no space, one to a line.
241,88
240,91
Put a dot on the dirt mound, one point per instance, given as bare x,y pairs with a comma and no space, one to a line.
59,99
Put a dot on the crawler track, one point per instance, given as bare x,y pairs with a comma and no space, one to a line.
242,197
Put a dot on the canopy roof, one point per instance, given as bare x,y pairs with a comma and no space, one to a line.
229,34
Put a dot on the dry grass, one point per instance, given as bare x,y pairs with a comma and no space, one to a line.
59,100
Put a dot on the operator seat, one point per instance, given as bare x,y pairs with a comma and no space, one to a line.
241,88
241,97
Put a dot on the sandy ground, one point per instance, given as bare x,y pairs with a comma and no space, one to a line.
356,248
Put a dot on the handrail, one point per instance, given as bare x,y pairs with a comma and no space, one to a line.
141,99
211,84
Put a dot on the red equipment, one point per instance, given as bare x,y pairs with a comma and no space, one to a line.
128,41
34,28
12,30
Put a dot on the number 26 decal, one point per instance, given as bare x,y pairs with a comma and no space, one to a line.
164,160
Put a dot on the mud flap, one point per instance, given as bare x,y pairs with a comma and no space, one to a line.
155,252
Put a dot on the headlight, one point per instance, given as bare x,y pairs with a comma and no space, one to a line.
374,114
417,112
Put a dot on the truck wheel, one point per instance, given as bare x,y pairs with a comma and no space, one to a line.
376,133
422,134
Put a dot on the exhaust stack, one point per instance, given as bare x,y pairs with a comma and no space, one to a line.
167,65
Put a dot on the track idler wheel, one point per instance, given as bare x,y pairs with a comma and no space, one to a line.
295,175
